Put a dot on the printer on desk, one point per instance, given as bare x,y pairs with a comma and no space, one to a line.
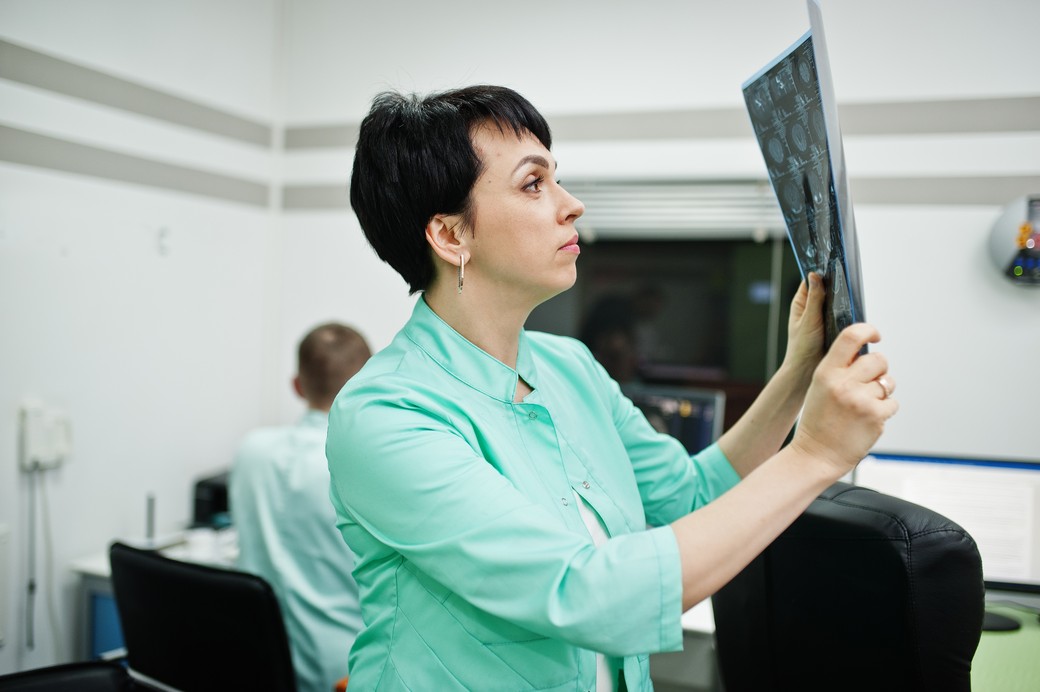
211,502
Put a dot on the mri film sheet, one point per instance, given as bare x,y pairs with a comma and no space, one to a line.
789,117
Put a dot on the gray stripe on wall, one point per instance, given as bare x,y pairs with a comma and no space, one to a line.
43,71
321,136
316,197
981,190
28,66
28,148
300,197
1012,114
31,149
647,125
693,124
1015,114
944,191
918,117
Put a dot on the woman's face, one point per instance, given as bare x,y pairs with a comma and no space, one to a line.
522,239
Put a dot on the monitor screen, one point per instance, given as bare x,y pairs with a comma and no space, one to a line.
996,501
692,415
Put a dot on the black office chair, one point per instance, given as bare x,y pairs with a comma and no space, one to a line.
864,591
85,676
196,627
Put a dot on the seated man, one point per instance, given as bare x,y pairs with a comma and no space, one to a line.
280,507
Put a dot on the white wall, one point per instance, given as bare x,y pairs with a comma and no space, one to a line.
157,348
588,56
957,334
221,53
331,273
163,360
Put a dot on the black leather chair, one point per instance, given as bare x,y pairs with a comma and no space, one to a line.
864,591
87,676
196,627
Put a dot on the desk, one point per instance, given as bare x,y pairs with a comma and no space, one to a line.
1009,661
98,632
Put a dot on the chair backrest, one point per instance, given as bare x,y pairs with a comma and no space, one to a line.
864,591
81,676
196,627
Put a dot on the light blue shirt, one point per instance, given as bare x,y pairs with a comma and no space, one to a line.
279,502
475,568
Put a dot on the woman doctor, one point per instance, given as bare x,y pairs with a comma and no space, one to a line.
517,522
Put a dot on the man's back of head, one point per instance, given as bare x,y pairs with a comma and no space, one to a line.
328,356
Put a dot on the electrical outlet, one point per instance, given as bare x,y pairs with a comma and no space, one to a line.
45,437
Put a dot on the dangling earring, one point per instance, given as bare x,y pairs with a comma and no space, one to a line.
462,270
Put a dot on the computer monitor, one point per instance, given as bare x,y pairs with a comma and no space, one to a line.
997,501
210,503
692,415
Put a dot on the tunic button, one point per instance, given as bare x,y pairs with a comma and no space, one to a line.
564,501
585,484
532,415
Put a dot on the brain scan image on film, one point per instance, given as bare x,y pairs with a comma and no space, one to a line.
786,110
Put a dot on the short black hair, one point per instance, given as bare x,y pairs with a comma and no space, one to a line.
414,159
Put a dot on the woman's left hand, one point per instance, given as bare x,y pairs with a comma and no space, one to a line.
805,328
761,431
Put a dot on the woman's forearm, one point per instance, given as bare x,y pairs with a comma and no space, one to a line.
758,434
842,419
719,540
763,428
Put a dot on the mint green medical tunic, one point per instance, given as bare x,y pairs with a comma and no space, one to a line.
475,569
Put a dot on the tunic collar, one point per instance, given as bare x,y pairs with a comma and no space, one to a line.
466,361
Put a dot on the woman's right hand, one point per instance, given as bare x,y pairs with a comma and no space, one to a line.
848,402
843,415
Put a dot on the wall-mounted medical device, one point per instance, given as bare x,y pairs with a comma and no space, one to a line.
1014,241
